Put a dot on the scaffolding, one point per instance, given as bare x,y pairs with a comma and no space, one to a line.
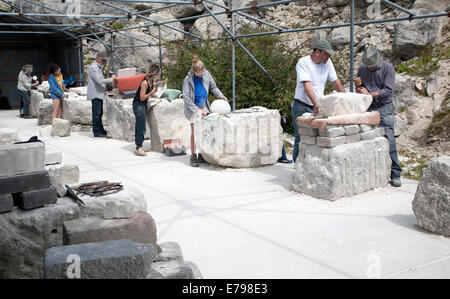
95,22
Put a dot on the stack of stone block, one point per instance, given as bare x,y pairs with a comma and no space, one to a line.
335,135
24,182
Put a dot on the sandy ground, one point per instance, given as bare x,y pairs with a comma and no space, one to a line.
245,223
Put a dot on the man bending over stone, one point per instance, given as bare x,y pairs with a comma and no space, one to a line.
378,78
313,71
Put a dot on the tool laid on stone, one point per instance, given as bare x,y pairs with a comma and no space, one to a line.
98,188
73,195
173,147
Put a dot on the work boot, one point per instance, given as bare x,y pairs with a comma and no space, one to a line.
200,159
194,161
396,182
140,152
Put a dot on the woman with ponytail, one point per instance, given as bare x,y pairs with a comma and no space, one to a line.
196,87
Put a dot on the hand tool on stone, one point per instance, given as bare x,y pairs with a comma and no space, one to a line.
73,195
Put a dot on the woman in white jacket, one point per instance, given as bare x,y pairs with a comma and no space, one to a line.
196,87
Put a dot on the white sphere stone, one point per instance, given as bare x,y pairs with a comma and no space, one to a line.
34,78
220,107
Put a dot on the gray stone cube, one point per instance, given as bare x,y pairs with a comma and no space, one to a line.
308,131
118,259
353,138
305,139
351,129
21,158
365,128
6,203
368,135
332,131
36,198
330,142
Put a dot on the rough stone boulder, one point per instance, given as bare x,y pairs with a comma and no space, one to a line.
167,121
340,36
64,174
78,110
431,203
399,126
245,138
8,136
25,235
343,103
342,171
182,11
403,92
35,98
82,91
208,27
120,120
60,127
45,112
44,87
411,37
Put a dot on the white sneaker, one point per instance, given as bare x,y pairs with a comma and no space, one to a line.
140,152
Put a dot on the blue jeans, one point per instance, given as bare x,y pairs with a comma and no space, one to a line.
298,109
387,122
97,113
140,113
24,102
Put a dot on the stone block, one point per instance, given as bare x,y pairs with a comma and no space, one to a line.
313,132
118,259
120,120
6,203
343,103
63,174
175,269
302,124
353,138
35,199
21,158
368,135
78,110
35,98
169,251
60,127
351,129
140,228
431,204
8,136
330,142
399,126
24,182
45,131
342,171
332,131
365,128
53,158
379,131
305,139
45,110
242,139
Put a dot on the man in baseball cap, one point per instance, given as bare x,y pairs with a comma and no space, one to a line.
378,79
313,72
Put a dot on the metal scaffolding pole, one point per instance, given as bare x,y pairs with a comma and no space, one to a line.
27,32
352,42
160,53
80,63
57,15
233,63
111,62
398,7
38,25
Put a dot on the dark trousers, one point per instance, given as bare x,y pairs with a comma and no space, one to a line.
97,113
140,113
298,109
24,102
387,122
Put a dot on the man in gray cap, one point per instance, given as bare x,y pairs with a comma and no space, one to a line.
378,78
96,92
313,71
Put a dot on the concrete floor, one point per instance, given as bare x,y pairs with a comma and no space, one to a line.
245,223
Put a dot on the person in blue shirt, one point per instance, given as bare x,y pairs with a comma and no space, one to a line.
55,80
196,87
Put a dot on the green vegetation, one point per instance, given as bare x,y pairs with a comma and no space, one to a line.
117,25
439,127
253,87
426,62
412,164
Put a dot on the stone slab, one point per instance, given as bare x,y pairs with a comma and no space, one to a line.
140,228
175,269
8,136
52,158
368,135
342,171
332,131
21,158
118,259
365,128
330,142
302,124
24,182
305,139
353,138
169,251
45,110
6,203
308,131
351,129
35,199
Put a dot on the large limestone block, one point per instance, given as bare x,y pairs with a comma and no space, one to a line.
63,174
44,87
25,235
35,98
60,127
242,139
21,158
120,121
45,112
8,136
431,203
342,171
343,103
77,110
82,91
167,121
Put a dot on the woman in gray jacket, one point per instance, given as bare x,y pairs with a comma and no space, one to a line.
24,86
196,87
